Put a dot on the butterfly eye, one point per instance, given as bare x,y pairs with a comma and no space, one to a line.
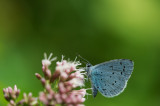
88,65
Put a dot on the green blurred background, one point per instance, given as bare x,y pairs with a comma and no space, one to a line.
98,30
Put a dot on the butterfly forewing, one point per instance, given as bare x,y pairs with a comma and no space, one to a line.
110,78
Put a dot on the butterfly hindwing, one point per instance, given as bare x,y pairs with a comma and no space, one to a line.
110,78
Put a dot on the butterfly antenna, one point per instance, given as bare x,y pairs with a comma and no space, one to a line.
83,61
86,61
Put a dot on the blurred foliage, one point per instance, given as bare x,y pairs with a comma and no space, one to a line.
99,30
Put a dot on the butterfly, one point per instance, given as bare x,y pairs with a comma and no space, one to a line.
109,78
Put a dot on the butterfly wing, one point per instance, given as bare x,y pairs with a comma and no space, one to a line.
110,78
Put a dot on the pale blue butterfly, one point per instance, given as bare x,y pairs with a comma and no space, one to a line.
109,78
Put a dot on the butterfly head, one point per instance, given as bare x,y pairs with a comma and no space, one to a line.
88,64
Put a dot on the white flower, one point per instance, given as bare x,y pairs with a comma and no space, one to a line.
76,82
47,61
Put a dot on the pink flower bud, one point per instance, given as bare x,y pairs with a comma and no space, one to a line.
62,89
48,73
43,81
64,62
17,93
30,95
74,98
68,88
67,71
24,95
10,90
38,76
64,76
72,75
15,88
12,103
49,97
81,100
7,91
43,67
64,96
68,100
42,98
58,63
82,92
58,98
58,69
48,87
72,68
6,96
